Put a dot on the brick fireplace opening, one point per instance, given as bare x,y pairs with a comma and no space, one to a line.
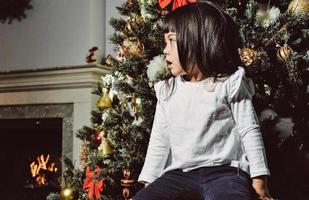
30,157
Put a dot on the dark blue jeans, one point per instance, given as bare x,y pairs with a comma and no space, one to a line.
207,183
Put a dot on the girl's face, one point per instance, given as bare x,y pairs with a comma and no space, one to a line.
171,53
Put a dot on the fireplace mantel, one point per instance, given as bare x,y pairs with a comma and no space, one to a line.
54,78
43,89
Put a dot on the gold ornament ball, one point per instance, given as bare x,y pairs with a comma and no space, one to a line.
284,53
299,7
69,193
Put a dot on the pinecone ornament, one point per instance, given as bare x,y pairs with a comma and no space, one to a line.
284,53
84,152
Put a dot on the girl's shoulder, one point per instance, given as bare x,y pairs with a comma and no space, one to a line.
165,88
238,85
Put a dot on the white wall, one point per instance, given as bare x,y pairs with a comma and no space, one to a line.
57,33
111,11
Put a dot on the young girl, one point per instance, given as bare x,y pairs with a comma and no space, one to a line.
205,141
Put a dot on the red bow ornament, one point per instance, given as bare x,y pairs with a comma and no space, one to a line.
176,3
95,187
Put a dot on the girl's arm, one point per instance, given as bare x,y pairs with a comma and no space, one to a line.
259,184
248,129
158,148
240,98
250,135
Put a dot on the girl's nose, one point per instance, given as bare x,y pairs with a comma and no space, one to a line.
165,51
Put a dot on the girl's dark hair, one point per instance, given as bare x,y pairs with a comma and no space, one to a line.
207,37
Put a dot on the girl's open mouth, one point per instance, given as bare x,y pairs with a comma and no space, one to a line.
168,63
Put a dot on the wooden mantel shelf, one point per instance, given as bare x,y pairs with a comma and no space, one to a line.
84,76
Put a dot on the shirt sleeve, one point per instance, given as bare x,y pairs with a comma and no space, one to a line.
240,92
158,148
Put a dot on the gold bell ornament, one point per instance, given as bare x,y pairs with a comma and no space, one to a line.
105,147
284,53
299,7
69,193
104,101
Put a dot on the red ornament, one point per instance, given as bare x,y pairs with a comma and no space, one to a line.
129,2
90,57
96,139
127,182
92,183
176,3
94,56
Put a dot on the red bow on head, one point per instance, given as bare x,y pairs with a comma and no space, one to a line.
95,187
176,3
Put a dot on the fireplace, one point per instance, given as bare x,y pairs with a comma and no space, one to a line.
30,142
60,93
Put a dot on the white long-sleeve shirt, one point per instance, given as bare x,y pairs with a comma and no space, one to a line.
196,128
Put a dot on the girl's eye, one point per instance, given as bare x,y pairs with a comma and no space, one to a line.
172,40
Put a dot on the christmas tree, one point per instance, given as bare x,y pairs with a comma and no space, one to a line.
275,54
